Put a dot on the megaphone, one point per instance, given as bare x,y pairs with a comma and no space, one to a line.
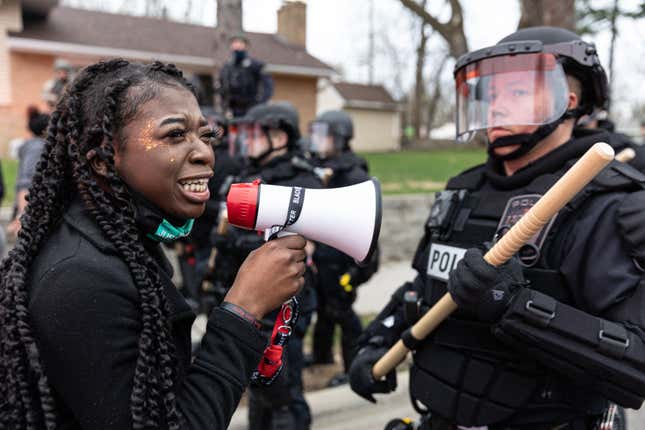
346,218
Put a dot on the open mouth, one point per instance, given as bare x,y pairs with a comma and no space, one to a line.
197,185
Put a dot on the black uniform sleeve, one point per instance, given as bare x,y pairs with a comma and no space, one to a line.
391,321
88,327
600,340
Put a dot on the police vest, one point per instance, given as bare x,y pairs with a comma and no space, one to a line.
461,372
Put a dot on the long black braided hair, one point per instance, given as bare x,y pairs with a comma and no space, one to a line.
90,116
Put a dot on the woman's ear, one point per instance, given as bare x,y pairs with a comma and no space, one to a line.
97,164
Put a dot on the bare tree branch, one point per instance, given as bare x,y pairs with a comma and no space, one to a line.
452,31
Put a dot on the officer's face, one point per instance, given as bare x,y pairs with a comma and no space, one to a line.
515,100
238,45
166,153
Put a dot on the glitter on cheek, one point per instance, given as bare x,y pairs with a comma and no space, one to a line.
145,139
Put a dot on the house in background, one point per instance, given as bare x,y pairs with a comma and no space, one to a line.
376,116
34,33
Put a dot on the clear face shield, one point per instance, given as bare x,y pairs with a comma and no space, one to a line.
510,90
322,142
253,141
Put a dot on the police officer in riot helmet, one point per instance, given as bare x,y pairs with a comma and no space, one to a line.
548,339
243,83
599,120
269,135
338,274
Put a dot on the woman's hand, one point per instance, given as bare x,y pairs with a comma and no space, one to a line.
269,276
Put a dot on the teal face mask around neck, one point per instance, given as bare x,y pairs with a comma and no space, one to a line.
166,232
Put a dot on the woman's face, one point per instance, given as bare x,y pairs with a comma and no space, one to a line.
166,155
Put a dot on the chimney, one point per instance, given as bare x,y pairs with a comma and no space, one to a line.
292,22
229,17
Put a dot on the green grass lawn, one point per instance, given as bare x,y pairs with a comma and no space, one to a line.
421,171
9,172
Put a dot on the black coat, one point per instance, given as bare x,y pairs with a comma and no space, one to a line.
85,312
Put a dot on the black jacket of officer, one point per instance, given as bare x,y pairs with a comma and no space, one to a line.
338,274
242,81
547,338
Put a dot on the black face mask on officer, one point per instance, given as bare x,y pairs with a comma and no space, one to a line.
519,100
239,55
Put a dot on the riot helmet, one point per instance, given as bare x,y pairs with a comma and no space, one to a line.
522,81
258,123
330,133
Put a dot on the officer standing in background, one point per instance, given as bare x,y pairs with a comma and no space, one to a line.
547,339
242,81
598,120
338,275
53,88
270,147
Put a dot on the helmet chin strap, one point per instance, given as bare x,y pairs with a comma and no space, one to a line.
528,141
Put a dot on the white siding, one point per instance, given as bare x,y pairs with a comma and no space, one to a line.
375,131
328,97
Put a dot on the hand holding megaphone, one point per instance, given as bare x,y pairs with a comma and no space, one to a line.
346,218
269,276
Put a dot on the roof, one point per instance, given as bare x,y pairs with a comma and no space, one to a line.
66,28
365,96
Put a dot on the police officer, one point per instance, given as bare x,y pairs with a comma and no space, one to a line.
270,147
545,340
338,274
242,81
619,141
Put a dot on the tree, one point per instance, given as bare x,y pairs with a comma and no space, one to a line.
556,13
419,85
451,31
593,19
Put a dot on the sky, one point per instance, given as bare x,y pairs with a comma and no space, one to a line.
337,33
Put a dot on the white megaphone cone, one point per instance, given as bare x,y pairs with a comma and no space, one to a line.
346,218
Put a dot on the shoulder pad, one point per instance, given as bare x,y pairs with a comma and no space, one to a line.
615,177
619,175
630,224
468,179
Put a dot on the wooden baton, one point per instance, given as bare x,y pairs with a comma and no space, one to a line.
573,181
626,155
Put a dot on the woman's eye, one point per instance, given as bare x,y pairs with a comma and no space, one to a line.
209,135
518,93
176,133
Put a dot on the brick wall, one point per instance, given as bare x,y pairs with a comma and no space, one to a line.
28,73
301,91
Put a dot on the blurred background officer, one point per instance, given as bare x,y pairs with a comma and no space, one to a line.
545,340
338,275
242,81
269,138
599,119
53,88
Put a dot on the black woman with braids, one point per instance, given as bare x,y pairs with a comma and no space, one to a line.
93,334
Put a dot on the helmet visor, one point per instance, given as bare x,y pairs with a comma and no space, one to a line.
253,140
524,89
322,142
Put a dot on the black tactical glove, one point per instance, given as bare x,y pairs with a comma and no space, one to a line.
360,373
482,289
